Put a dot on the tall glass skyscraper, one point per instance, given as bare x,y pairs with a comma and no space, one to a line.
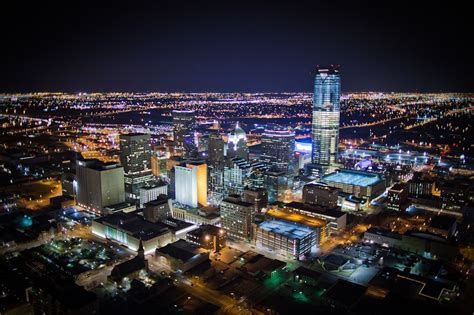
278,147
325,125
184,122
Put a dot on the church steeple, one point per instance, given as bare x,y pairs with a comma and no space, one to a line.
141,250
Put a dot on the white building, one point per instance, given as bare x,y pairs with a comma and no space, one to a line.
150,193
191,184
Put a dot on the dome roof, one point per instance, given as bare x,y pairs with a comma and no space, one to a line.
238,131
237,134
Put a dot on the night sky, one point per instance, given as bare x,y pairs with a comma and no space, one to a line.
233,46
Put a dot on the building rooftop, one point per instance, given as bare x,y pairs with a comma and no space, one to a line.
154,186
442,222
296,217
325,211
320,185
161,199
290,230
134,224
398,187
352,177
206,229
385,233
128,267
238,202
345,293
181,249
176,225
306,272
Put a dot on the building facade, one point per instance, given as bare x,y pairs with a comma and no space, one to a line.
135,157
358,183
320,194
237,217
158,209
99,184
397,197
289,239
150,193
237,144
208,236
184,123
326,115
257,196
191,184
278,148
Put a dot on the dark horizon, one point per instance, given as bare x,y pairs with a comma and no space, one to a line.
242,47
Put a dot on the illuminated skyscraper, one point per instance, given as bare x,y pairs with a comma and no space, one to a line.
135,157
326,98
215,150
237,144
183,126
278,148
191,184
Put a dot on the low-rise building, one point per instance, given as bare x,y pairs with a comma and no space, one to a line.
128,229
358,183
291,240
443,225
120,207
181,255
335,217
422,243
204,215
208,236
157,209
320,194
397,197
319,226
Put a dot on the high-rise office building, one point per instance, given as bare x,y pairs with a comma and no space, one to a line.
397,197
184,122
158,165
215,150
191,184
99,184
237,144
325,124
278,148
321,194
135,157
151,192
277,185
237,217
257,196
158,209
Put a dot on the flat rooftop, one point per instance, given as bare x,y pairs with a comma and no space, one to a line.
352,177
134,225
290,230
296,217
180,249
323,211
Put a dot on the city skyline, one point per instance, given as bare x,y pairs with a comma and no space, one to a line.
241,203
